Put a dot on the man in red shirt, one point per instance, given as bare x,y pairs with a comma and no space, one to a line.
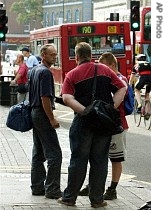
87,145
21,78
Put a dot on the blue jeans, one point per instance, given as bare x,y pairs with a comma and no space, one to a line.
86,146
45,147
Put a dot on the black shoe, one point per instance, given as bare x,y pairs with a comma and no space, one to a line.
52,196
84,191
38,193
98,205
147,116
67,203
110,194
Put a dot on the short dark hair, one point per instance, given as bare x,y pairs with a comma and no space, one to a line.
25,49
83,50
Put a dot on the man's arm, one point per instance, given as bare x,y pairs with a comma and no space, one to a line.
118,96
46,103
17,77
71,102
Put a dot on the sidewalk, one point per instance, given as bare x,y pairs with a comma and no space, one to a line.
15,193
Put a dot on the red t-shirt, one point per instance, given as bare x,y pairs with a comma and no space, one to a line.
23,70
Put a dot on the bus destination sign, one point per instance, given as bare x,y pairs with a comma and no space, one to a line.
112,29
85,29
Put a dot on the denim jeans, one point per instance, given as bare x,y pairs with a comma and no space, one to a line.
45,148
86,146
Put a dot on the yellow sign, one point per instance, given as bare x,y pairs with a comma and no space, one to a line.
112,29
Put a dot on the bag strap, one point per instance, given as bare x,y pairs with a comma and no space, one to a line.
94,83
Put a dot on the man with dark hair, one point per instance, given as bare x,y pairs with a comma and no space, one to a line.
31,60
86,144
117,150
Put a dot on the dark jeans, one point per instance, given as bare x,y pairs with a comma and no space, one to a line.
86,146
45,147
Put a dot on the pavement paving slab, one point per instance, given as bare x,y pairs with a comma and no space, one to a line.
15,161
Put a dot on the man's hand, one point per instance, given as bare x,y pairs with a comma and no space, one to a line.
55,124
13,82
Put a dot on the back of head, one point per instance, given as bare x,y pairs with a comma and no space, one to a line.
83,50
108,58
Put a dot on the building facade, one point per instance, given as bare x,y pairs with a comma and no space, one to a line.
66,11
102,9
18,33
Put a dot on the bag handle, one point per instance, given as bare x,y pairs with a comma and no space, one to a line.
94,83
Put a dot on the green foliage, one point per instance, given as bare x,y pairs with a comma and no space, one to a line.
27,10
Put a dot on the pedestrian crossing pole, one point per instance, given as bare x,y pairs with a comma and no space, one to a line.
134,21
0,57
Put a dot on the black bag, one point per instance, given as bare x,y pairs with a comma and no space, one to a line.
100,116
19,117
22,88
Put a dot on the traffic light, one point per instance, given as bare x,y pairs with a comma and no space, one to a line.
135,15
3,27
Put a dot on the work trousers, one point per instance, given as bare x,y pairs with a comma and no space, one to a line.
86,146
46,147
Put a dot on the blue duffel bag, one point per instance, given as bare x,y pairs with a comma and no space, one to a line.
19,117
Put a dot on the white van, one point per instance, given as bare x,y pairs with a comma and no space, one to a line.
11,56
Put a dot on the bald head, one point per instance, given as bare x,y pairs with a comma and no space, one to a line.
20,59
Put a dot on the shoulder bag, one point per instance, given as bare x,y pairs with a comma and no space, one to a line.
100,116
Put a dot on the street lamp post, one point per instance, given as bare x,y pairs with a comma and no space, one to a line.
63,11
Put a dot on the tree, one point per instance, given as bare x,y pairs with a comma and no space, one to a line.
28,10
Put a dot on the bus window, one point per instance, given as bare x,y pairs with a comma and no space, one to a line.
112,43
96,43
51,41
72,44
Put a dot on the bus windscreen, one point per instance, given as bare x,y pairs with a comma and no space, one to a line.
100,44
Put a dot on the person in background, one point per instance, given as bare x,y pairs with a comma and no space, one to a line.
21,78
86,145
143,69
117,149
46,145
31,60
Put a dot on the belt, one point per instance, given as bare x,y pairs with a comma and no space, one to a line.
40,107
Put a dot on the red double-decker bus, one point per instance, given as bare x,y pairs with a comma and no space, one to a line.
113,36
143,37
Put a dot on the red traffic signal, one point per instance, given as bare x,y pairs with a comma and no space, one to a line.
135,15
3,27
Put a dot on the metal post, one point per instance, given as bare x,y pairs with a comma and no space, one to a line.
63,11
0,58
133,47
